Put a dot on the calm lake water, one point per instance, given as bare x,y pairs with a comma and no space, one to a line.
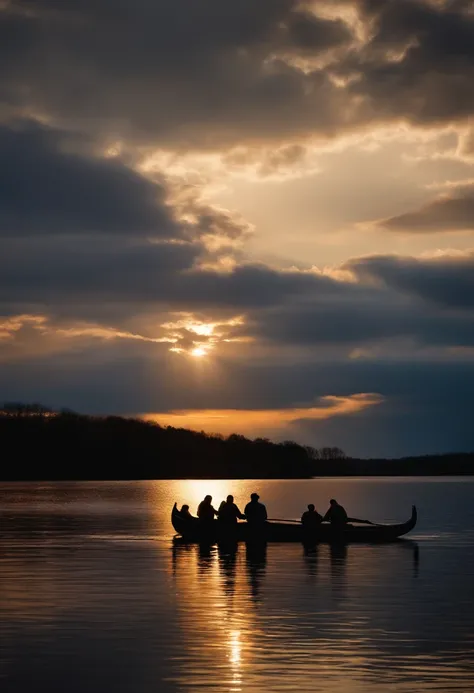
95,597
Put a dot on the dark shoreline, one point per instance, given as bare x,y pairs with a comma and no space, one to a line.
39,444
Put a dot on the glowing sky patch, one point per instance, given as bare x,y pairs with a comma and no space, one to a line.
275,206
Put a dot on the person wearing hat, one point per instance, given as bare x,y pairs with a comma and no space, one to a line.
255,512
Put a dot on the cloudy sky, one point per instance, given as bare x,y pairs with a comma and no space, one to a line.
242,216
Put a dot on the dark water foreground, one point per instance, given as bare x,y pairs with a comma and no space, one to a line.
94,596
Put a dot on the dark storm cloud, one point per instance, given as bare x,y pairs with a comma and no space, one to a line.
427,409
252,285
77,271
46,190
396,297
427,405
309,34
430,79
451,212
446,280
206,74
72,271
170,70
420,300
358,322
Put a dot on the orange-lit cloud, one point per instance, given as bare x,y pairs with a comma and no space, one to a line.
99,332
11,325
41,323
22,335
196,337
248,421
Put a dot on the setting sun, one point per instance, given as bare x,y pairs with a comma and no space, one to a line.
197,338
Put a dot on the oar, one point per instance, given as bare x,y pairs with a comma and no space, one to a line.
364,522
349,519
279,519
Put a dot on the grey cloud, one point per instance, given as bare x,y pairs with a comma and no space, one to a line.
434,416
244,385
76,271
430,80
68,271
447,280
311,34
206,75
427,406
357,322
46,190
410,299
170,70
200,76
250,286
451,212
427,300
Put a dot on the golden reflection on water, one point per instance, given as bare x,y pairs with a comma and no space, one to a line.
283,499
284,619
235,658
215,586
192,492
99,577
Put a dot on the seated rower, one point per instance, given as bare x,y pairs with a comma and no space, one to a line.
206,511
255,512
185,514
229,513
311,518
336,514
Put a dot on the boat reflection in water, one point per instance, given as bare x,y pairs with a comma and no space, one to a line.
94,596
256,561
308,617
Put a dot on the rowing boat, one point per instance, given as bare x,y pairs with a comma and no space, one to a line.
195,531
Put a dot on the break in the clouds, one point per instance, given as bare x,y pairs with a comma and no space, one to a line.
140,274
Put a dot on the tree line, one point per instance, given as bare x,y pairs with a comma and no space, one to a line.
39,443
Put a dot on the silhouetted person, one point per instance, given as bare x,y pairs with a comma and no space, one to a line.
185,514
336,514
311,518
229,513
255,512
205,510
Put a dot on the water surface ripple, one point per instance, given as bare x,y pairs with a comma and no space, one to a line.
96,596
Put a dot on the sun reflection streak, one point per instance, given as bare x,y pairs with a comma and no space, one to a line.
194,491
235,658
